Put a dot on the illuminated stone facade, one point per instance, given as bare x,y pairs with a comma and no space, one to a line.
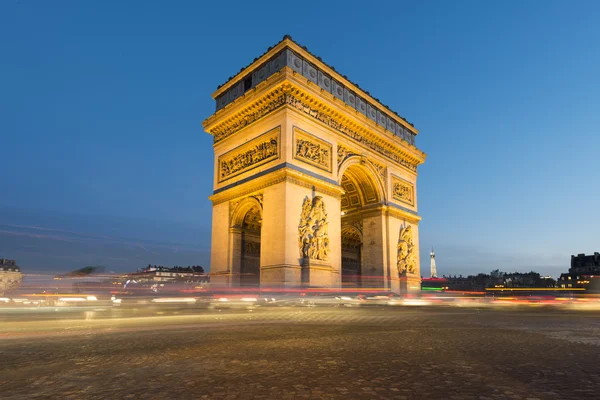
315,180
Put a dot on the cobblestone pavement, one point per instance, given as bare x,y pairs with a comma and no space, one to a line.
392,353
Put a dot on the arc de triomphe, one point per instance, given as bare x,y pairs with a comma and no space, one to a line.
314,180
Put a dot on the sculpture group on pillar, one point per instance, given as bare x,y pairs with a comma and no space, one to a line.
406,251
313,236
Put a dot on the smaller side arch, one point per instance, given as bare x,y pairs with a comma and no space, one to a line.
352,233
242,208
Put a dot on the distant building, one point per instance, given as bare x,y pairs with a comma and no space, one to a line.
496,280
434,283
527,280
160,274
584,273
10,276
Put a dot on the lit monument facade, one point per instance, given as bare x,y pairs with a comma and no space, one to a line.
314,180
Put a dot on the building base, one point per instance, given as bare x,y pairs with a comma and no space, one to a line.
406,285
287,276
316,273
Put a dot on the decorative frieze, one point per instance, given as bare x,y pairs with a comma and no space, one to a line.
259,151
313,235
291,98
312,150
403,191
406,251
268,105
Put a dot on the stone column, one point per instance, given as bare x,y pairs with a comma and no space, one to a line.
235,255
374,252
220,255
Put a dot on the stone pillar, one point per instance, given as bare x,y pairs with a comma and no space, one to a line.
281,261
220,273
279,264
316,273
235,255
374,252
408,284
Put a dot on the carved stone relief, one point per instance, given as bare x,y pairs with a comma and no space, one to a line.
406,251
259,151
380,170
403,191
343,154
312,150
259,198
232,207
313,236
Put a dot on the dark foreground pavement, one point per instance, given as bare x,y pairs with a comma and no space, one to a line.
390,353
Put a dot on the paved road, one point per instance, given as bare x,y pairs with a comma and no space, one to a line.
389,353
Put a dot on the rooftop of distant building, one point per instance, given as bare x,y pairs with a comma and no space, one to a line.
9,265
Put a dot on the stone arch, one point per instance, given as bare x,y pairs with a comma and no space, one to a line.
241,210
352,232
363,185
351,249
368,179
245,234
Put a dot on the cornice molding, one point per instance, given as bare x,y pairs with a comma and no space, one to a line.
403,215
282,175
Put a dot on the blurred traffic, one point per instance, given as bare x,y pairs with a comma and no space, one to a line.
152,299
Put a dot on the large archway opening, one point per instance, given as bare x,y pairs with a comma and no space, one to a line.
246,237
250,259
361,191
351,256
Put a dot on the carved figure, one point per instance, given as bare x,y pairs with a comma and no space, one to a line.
312,152
313,230
406,251
343,153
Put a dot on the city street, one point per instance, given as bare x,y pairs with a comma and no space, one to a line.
319,353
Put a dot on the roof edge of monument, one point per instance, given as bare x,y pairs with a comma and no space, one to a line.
280,46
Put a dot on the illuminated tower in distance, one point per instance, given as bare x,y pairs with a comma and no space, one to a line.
433,270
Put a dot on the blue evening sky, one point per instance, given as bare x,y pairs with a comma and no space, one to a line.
104,159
